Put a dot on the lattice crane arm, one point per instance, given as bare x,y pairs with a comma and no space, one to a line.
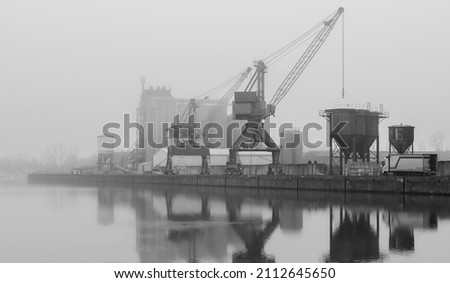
223,102
303,62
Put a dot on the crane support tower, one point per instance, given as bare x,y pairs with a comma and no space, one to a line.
189,147
250,105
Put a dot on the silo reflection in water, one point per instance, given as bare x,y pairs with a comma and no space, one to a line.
402,225
354,239
291,217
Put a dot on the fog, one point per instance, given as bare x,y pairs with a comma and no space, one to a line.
68,67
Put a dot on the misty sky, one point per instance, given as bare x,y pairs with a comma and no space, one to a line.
68,67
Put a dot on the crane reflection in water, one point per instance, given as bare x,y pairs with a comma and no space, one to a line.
253,231
187,226
190,233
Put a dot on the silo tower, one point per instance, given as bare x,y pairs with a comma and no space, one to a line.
401,139
353,134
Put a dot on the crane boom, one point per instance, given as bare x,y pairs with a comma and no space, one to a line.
223,102
303,62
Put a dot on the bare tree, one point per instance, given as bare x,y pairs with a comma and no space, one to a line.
57,156
421,146
437,141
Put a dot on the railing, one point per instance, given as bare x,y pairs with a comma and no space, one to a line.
381,113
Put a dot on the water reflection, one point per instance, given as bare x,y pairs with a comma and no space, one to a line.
169,224
253,232
182,225
105,207
188,236
354,240
402,225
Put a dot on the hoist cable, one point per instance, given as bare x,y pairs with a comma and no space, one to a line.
343,56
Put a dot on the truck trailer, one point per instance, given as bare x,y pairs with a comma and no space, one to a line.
422,164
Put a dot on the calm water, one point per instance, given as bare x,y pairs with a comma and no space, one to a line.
65,223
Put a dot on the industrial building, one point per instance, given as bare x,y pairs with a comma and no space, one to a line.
159,107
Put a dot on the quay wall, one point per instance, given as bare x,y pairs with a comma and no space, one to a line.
289,169
436,185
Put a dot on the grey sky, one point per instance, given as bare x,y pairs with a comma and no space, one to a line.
68,67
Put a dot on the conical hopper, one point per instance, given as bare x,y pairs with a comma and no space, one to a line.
401,137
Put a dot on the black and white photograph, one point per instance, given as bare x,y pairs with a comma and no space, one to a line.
294,133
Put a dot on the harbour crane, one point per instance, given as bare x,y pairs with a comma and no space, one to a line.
191,147
250,105
183,120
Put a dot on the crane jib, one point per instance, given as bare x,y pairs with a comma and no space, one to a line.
304,60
